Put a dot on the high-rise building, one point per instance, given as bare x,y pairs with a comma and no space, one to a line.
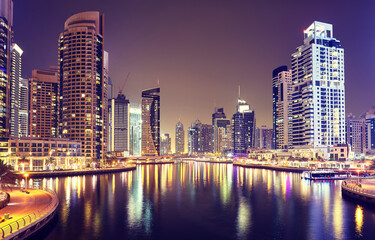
206,137
15,89
44,103
243,128
24,109
135,130
318,89
264,137
6,32
356,133
370,129
220,134
119,124
281,89
180,139
194,132
83,76
151,122
165,145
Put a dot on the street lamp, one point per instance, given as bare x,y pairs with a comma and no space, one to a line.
26,175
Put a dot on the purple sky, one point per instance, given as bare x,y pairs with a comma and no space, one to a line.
201,50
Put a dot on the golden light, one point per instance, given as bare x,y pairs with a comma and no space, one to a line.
26,175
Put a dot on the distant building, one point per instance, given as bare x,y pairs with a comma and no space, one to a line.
281,90
135,130
370,129
15,90
118,109
220,133
180,139
264,137
23,127
165,145
243,128
205,138
151,122
44,103
318,89
194,142
356,133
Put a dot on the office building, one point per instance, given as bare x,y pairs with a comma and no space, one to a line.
15,89
119,124
264,137
318,89
165,145
281,89
44,103
180,139
135,130
356,133
83,76
243,128
6,31
151,122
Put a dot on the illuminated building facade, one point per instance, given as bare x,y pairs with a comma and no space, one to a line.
165,145
370,132
281,89
151,122
318,89
15,90
194,133
356,133
135,131
83,86
24,109
264,137
243,128
180,139
220,134
44,103
119,124
6,31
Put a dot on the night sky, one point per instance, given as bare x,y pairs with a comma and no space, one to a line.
201,50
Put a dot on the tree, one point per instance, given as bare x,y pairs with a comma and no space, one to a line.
7,176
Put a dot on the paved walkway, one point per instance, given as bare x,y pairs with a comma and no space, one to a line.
22,204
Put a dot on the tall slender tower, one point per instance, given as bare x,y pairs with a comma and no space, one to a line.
151,122
15,89
6,32
24,109
281,95
135,131
318,89
83,76
180,138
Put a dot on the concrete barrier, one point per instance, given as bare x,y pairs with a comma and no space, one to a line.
357,193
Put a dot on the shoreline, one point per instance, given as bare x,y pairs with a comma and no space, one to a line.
152,162
269,167
208,161
357,194
67,173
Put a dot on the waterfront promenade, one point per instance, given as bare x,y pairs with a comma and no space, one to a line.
363,190
26,212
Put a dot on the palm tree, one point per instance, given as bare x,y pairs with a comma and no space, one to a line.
7,176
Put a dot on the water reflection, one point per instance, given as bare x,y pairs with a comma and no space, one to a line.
213,200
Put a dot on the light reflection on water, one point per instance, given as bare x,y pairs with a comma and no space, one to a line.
212,200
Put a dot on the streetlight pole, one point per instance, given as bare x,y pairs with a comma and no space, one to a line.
26,175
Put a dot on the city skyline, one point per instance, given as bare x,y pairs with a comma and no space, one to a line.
236,52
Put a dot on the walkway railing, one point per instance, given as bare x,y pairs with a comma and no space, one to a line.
353,187
32,217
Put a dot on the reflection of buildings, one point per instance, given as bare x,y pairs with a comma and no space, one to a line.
180,139
165,145
83,83
318,89
44,103
151,122
118,109
135,130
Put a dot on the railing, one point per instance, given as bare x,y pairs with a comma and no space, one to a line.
353,187
32,217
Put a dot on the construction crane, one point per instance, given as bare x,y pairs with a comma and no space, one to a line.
123,85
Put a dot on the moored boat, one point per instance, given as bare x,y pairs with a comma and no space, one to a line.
325,175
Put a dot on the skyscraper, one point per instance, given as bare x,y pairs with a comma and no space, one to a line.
180,139
165,145
281,89
44,103
264,137
318,89
135,131
6,31
15,89
370,129
243,128
194,132
356,133
220,134
119,124
151,122
24,109
83,76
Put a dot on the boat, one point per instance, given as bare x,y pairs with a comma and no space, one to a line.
325,175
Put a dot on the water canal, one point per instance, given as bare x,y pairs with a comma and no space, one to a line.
205,201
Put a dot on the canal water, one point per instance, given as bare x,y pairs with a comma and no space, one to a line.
205,201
